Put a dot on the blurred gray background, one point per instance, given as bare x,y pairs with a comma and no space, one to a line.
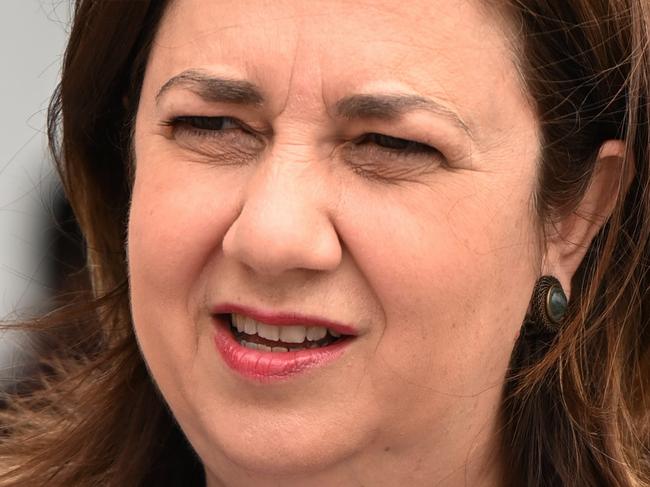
32,39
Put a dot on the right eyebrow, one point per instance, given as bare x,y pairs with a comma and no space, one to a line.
215,89
391,106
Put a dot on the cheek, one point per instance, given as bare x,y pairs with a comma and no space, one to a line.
177,219
453,266
176,222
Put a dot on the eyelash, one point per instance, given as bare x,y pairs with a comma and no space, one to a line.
210,126
402,147
205,126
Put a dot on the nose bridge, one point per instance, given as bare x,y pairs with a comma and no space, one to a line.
285,218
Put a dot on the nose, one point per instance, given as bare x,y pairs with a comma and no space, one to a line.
285,221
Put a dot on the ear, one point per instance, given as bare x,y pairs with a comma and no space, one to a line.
568,240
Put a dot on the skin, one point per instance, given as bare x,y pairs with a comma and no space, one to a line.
432,257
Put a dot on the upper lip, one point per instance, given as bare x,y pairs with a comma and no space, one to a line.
278,318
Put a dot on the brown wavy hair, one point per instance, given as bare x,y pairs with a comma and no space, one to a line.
576,406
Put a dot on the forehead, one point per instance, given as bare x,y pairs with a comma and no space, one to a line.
310,52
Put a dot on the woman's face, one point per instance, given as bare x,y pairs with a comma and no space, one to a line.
273,181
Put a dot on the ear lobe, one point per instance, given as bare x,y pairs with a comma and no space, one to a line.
569,238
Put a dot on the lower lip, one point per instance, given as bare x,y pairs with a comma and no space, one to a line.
267,367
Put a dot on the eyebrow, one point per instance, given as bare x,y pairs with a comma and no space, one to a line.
392,107
215,89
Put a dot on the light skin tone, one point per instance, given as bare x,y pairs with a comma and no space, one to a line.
430,250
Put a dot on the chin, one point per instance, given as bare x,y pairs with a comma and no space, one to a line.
276,450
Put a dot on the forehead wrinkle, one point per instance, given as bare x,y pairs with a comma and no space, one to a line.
388,9
305,95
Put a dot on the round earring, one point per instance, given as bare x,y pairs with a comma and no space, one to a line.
550,304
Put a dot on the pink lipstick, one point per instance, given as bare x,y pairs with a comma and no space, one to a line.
268,364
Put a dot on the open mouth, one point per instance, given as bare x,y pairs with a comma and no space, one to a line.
277,346
255,335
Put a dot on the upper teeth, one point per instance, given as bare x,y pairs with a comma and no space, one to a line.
287,334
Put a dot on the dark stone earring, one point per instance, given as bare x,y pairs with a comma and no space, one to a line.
549,304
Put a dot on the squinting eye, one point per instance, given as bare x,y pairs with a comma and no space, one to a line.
205,124
395,144
391,159
221,140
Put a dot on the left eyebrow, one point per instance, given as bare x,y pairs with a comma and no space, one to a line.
215,89
393,106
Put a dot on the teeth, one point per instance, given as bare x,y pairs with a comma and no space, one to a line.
287,334
239,322
293,334
264,348
269,332
244,324
315,333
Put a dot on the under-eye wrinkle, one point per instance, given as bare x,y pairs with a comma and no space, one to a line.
389,159
224,140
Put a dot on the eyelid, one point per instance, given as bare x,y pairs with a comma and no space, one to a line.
234,144
413,147
192,121
257,129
